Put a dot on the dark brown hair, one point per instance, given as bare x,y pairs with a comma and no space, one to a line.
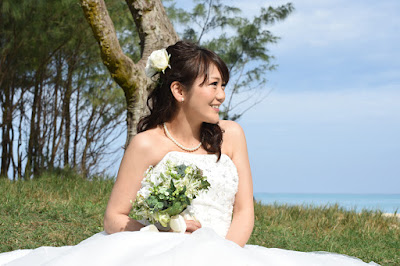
187,61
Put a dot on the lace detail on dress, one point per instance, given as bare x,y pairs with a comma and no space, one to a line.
213,208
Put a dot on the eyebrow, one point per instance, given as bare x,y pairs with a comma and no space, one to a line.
217,78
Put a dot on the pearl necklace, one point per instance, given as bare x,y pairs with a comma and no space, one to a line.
177,143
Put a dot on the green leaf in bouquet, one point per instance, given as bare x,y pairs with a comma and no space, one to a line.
204,184
151,201
172,187
176,208
188,200
159,205
166,203
181,169
182,192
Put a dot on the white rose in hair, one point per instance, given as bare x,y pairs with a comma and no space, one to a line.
157,61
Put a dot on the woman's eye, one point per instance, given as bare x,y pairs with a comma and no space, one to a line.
214,83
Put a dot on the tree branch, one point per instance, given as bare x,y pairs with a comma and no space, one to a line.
123,70
153,25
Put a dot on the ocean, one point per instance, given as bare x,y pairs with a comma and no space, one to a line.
387,203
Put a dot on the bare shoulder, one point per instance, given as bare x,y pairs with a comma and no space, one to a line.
231,129
143,145
233,136
142,141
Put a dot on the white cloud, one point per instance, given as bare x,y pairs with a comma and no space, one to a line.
337,22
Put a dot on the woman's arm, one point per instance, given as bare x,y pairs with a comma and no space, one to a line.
133,165
139,155
243,209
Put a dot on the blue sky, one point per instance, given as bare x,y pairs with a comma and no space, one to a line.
332,121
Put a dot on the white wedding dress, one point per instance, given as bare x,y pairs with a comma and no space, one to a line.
206,246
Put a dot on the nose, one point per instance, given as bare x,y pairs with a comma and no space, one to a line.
220,94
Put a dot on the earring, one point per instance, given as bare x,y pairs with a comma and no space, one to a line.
182,100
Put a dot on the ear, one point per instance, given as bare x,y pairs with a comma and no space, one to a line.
178,91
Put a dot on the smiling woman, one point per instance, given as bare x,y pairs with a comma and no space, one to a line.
203,95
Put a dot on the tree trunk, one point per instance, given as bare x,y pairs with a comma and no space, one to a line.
66,110
37,167
19,153
6,127
57,86
88,141
78,98
33,133
155,32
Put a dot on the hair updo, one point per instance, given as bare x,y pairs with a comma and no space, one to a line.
188,61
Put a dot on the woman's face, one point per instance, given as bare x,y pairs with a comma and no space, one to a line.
202,102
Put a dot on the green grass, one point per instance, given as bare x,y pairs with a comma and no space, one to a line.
367,235
51,211
63,209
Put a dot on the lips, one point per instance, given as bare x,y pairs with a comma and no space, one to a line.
215,107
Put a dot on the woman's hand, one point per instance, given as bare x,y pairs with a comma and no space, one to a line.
184,223
192,226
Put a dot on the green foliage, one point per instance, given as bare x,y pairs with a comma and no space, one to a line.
39,28
50,61
171,199
124,26
241,42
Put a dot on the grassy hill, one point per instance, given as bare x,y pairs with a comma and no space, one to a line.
64,209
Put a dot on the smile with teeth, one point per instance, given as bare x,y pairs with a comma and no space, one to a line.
215,107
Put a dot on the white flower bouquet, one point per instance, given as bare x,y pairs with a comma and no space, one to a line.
164,196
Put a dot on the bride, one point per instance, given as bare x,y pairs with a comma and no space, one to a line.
184,127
